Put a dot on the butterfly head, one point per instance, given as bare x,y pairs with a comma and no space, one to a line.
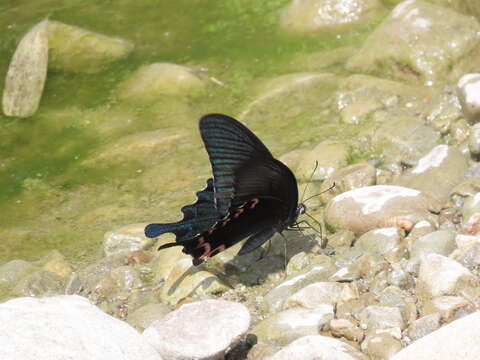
301,209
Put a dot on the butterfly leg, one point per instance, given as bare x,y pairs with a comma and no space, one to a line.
284,254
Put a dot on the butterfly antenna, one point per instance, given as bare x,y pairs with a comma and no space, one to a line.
323,244
309,180
323,192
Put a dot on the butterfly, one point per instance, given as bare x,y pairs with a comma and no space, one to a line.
252,195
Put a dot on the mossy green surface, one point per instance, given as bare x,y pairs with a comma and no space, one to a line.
50,200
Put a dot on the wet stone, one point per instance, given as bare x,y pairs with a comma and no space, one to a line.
284,327
126,278
379,241
13,271
126,239
346,328
144,316
440,242
468,88
200,330
40,283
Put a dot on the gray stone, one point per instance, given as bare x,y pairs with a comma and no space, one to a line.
318,348
457,340
342,238
423,326
438,242
439,276
200,330
126,278
437,173
468,88
314,16
40,283
153,81
470,207
286,326
348,178
449,308
315,294
144,316
126,239
71,326
381,346
275,298
415,43
371,207
15,270
386,318
79,50
27,73
468,251
379,241
347,329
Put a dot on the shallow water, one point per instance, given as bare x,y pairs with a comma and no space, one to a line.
49,199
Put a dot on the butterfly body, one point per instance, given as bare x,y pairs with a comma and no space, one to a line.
252,195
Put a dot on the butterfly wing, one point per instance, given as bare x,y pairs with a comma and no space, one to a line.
197,218
229,145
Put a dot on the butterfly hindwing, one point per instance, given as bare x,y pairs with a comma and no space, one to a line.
197,218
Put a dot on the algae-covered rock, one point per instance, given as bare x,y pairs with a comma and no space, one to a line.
72,48
152,81
420,42
27,73
40,283
15,270
314,16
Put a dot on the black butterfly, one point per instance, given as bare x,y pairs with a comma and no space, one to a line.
252,195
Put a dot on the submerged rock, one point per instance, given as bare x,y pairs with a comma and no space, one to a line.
201,330
152,81
420,42
14,271
67,327
27,73
313,16
126,239
72,48
144,316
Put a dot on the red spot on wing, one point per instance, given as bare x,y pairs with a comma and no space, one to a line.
254,203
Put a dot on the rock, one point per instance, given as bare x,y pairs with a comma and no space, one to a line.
385,318
79,50
126,239
371,207
275,298
134,148
379,241
186,281
302,260
470,207
468,251
407,45
347,329
286,326
381,346
342,238
468,88
40,283
166,259
423,326
200,330
449,308
27,73
315,294
348,178
298,104
438,242
318,348
437,173
457,340
420,229
15,270
72,328
439,276
144,316
126,278
472,225
353,307
153,81
314,16
404,139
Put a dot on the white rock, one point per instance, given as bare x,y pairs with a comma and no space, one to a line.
457,340
27,73
66,327
200,330
439,275
318,347
468,89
